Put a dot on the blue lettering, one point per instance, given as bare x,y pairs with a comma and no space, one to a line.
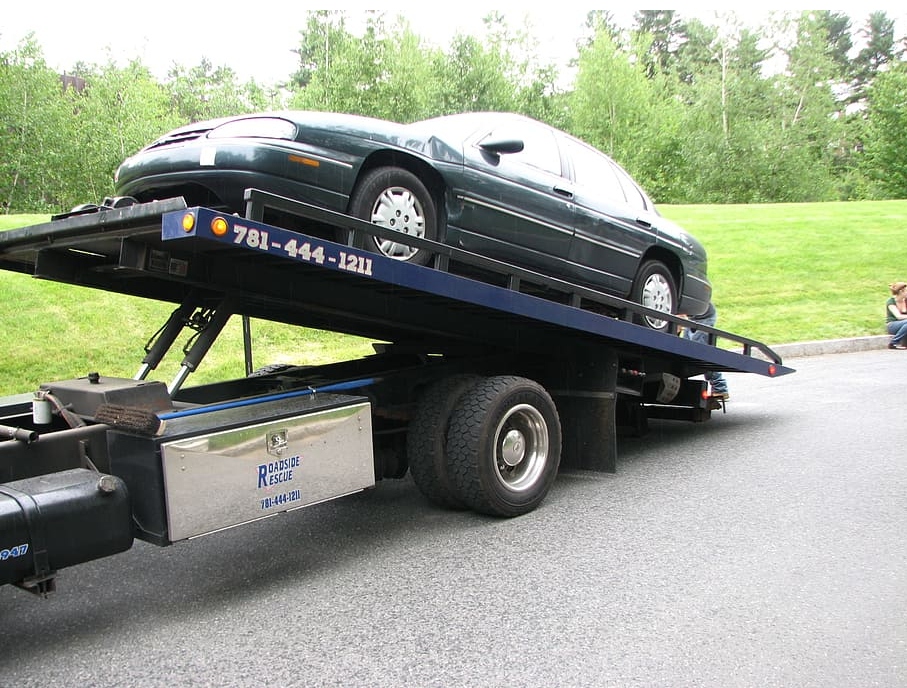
276,472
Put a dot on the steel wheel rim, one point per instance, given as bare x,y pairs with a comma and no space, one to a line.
397,208
521,448
656,294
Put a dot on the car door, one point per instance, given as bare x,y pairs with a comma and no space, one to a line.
516,206
613,226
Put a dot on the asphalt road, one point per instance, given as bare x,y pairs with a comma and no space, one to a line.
767,547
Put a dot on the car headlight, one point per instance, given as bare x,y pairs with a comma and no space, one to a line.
255,127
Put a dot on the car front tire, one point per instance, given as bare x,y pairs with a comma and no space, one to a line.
396,199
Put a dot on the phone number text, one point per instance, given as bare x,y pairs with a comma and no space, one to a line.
260,239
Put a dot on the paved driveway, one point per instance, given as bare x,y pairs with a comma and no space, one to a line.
767,547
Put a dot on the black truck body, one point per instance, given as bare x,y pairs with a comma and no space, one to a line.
486,379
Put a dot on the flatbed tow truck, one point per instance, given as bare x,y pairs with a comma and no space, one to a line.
488,378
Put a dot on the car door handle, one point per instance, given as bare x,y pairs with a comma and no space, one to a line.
644,223
561,191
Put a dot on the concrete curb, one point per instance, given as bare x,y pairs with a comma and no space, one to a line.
831,346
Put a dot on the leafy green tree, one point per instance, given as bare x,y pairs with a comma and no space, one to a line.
599,20
632,118
405,91
610,96
324,31
206,92
33,110
886,136
479,73
878,52
666,35
338,71
837,27
727,135
697,55
120,110
805,109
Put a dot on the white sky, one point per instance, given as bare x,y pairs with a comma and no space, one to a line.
256,39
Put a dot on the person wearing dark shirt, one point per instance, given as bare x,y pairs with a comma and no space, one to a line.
896,315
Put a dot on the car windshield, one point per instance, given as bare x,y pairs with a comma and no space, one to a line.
459,127
259,127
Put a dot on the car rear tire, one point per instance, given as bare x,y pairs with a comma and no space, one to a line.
504,446
654,288
396,199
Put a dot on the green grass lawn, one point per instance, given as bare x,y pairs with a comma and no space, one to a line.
51,331
781,273
800,272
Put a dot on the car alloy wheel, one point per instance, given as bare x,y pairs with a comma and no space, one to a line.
396,199
654,288
656,294
398,208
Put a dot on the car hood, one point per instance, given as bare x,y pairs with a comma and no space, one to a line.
319,127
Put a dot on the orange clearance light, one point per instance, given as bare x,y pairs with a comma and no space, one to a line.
188,222
304,161
219,226
705,394
772,369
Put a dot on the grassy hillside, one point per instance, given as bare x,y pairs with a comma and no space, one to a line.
54,331
781,273
800,272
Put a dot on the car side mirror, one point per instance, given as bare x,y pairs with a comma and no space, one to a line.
500,146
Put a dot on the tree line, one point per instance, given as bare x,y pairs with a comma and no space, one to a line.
807,108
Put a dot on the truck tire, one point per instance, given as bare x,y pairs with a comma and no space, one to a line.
654,288
395,198
270,369
504,446
426,439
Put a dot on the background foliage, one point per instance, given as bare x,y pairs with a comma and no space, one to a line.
808,108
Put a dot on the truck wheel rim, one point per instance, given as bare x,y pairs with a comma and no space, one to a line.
656,294
521,448
397,208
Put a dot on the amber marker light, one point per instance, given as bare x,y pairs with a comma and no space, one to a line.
705,394
304,161
188,222
772,370
219,226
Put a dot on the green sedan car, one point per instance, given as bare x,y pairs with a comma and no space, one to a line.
497,184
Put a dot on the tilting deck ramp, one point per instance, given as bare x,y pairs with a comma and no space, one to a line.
296,278
580,343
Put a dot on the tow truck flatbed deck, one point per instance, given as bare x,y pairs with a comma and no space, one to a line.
286,276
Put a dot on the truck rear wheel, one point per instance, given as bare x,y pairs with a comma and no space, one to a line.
427,437
504,446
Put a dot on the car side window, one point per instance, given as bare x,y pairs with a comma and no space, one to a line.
539,146
635,196
594,172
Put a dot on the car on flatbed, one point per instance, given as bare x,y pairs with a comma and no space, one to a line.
497,184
